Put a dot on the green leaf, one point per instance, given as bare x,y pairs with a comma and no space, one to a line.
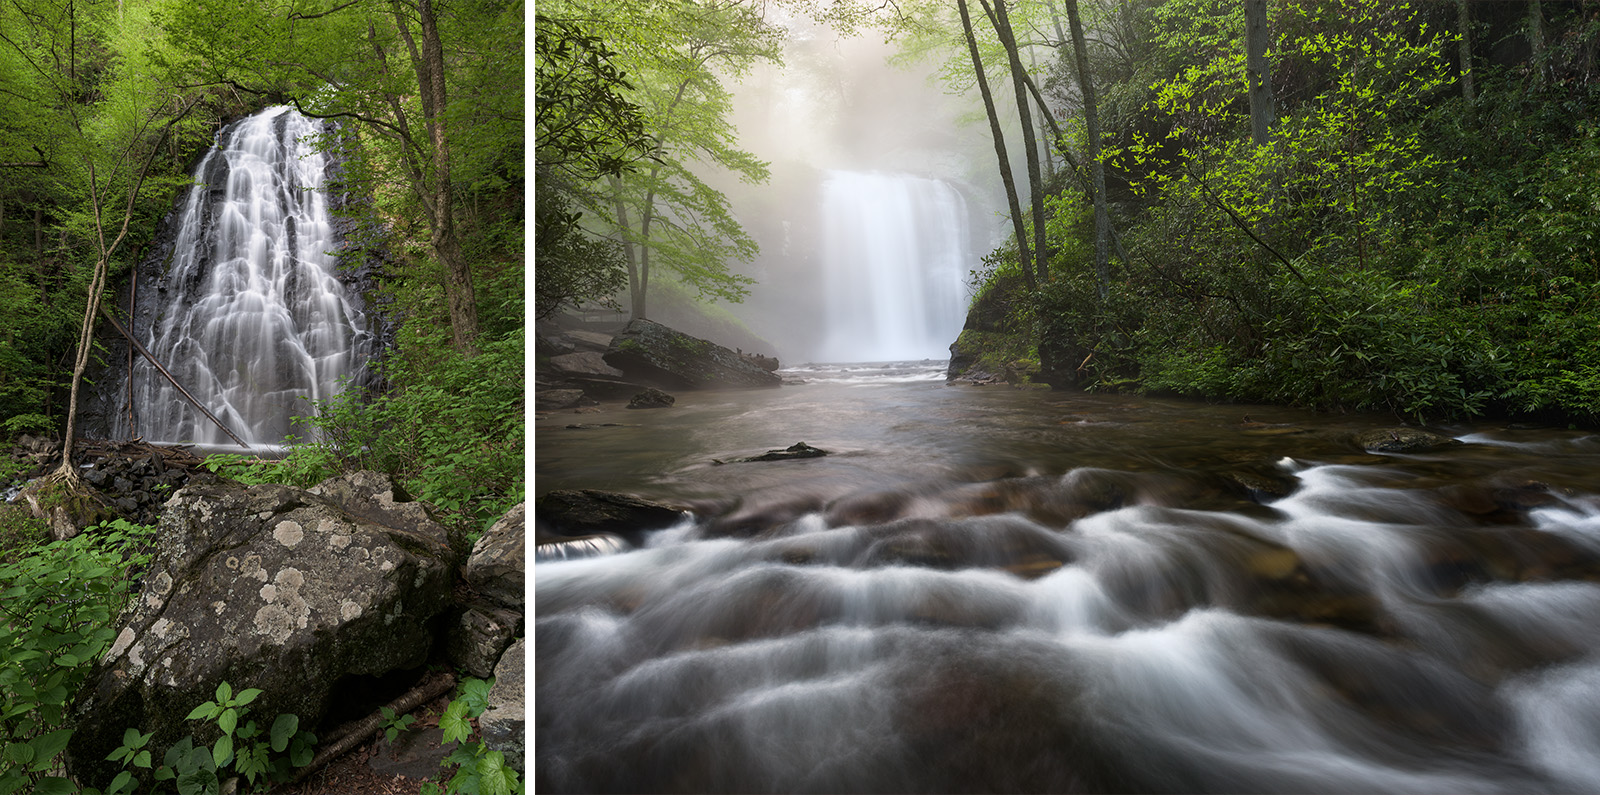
205,711
492,774
224,693
142,759
282,729
247,696
123,779
228,721
46,747
454,722
222,752
19,753
55,785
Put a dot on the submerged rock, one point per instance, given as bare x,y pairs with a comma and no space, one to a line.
652,399
652,352
1401,440
568,513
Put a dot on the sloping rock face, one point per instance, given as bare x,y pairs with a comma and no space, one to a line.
504,722
498,565
649,351
496,572
266,587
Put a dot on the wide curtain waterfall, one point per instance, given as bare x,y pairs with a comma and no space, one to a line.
253,320
895,260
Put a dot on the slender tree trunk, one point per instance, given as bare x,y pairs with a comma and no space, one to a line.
1464,50
1002,26
1536,38
1097,169
630,252
1258,71
459,291
1017,223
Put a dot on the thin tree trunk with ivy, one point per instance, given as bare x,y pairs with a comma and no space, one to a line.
1017,224
1097,169
1464,50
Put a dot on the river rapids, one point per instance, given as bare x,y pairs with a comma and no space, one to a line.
986,589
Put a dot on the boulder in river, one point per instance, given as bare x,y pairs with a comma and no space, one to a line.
1402,440
793,451
566,513
651,352
652,398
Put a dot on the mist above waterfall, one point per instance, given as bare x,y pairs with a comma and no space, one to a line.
894,259
879,204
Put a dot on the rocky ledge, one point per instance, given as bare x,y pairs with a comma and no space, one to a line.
650,352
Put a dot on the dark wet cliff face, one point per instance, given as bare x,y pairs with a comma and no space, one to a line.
247,296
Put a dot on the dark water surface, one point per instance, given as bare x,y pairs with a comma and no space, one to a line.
993,589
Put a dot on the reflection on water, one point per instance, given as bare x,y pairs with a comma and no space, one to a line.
995,589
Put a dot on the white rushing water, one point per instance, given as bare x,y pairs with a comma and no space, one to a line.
254,319
895,260
1327,645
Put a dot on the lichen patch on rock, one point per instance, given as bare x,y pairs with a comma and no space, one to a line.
289,534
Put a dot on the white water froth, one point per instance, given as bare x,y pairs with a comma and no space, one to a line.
255,320
896,254
725,651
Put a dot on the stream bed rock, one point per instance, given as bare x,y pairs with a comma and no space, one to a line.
649,351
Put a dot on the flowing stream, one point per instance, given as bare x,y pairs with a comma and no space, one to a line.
999,590
254,320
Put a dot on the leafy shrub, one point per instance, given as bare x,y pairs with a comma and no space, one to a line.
198,769
478,770
57,605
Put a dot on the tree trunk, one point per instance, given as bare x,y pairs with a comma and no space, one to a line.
630,252
1097,169
442,237
1536,39
1464,50
1002,26
999,149
1258,71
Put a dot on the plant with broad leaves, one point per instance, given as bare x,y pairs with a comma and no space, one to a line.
394,724
57,606
479,771
196,769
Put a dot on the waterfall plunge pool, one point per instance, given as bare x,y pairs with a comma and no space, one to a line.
984,588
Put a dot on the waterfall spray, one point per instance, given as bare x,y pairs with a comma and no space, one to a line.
254,320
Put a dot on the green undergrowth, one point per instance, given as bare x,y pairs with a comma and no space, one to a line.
450,431
58,603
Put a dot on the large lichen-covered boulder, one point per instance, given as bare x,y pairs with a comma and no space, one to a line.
270,587
649,351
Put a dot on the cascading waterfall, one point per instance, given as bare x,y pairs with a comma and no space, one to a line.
254,319
895,260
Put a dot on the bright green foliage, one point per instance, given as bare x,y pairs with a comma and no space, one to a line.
394,724
675,56
198,769
451,431
479,771
57,605
1391,248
